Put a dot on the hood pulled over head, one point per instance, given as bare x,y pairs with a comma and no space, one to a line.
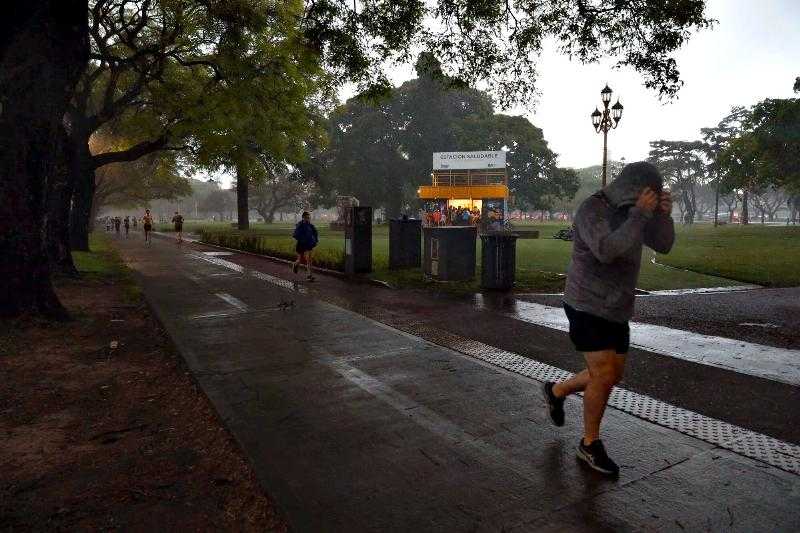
625,190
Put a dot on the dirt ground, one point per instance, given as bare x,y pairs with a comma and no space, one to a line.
97,435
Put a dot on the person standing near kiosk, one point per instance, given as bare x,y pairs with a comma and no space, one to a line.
611,227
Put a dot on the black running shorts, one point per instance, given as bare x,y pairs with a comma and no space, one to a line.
590,333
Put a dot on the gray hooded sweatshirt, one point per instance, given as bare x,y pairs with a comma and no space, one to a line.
607,246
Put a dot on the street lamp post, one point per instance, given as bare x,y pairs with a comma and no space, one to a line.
605,121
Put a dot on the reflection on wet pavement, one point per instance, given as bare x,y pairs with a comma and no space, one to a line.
754,359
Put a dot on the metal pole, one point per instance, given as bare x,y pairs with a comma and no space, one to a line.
605,153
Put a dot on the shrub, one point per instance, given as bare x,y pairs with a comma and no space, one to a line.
270,245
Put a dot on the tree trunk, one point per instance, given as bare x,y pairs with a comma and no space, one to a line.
43,50
59,199
82,171
689,207
745,209
394,205
242,206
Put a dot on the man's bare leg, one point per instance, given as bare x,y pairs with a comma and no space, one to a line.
576,383
605,370
308,264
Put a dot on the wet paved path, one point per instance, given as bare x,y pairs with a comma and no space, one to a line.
352,425
494,319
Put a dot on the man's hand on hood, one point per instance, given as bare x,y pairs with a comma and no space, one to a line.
647,201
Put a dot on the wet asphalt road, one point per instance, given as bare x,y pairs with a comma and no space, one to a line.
352,426
765,406
763,316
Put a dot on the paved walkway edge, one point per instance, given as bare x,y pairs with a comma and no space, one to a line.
268,484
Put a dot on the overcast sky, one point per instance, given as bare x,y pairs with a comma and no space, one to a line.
751,54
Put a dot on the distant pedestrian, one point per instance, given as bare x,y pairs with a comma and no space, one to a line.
127,224
147,224
610,228
108,224
177,220
117,222
134,223
307,238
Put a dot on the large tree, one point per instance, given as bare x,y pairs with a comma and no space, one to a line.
775,127
381,152
283,191
43,47
273,96
716,141
534,179
683,167
137,183
220,202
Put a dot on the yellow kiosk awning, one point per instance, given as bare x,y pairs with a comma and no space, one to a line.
432,192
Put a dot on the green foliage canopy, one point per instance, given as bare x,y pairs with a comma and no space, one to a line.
381,152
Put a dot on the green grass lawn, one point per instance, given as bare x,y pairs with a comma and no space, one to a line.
765,255
727,255
100,260
104,263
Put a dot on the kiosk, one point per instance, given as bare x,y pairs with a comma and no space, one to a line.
475,182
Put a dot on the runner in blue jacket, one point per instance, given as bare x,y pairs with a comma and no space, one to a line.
307,238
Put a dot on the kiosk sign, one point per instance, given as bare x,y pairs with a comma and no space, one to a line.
469,160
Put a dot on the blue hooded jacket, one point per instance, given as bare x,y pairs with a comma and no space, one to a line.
306,235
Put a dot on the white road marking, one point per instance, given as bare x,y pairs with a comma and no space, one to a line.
702,290
423,416
217,253
280,282
235,302
670,292
777,364
213,315
758,325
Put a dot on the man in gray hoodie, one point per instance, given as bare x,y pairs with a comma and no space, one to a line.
610,228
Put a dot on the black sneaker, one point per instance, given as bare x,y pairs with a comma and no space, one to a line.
595,456
294,267
555,405
310,278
